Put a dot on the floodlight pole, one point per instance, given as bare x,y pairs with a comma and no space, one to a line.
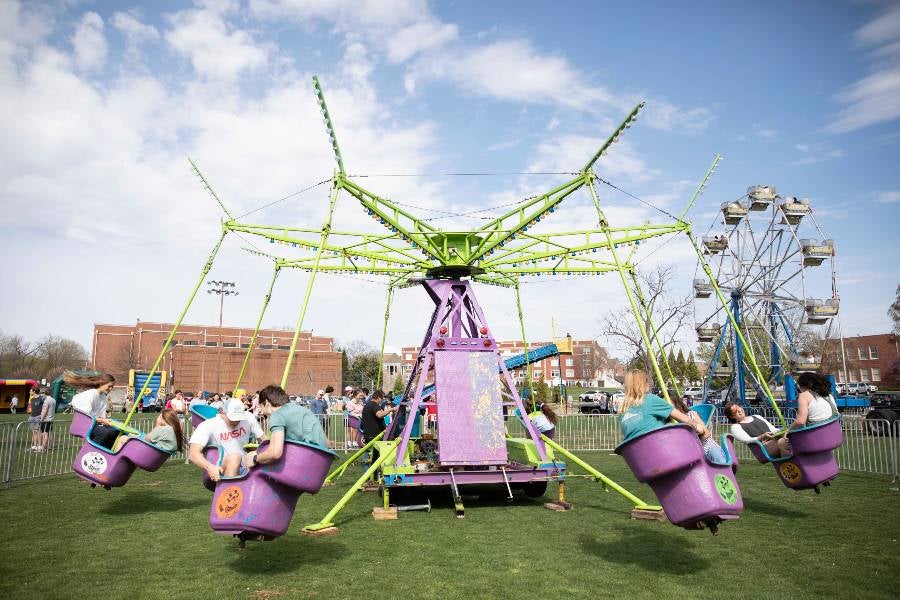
222,289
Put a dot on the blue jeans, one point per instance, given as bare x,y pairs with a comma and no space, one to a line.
713,451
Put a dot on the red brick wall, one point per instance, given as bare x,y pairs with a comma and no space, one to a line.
195,367
887,350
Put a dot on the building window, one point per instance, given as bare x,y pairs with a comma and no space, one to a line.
266,346
850,376
876,375
864,375
211,344
586,350
536,375
840,376
569,362
288,347
861,354
409,357
245,346
554,373
229,344
407,368
554,362
873,352
570,373
189,343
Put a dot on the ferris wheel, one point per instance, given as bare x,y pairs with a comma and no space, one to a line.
775,267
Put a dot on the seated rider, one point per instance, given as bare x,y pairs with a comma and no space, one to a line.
754,428
643,412
165,435
815,404
544,419
286,421
230,430
93,402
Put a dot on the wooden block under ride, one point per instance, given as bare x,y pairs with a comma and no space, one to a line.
558,506
385,514
648,515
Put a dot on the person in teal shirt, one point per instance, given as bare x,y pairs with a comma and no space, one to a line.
287,421
643,412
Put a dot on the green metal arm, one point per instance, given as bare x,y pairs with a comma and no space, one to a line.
528,367
634,308
703,183
387,316
328,520
638,503
204,272
332,137
632,116
648,311
209,189
326,227
353,458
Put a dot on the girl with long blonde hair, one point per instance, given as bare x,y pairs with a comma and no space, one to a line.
643,412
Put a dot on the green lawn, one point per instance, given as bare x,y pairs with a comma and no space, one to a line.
152,539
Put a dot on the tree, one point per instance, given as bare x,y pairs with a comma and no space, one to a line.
894,312
692,373
40,359
399,386
669,315
361,364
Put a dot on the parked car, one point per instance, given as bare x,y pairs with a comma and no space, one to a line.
872,388
855,387
692,393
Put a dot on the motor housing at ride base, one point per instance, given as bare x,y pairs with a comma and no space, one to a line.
100,466
812,463
260,502
692,490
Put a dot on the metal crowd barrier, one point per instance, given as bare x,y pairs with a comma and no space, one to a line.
870,446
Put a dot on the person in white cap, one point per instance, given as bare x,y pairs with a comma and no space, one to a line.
230,430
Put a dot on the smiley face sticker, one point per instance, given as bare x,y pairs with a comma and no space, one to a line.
229,502
725,488
790,472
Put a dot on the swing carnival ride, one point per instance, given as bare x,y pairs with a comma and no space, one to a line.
771,261
469,444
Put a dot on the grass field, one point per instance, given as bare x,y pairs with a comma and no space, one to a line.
152,539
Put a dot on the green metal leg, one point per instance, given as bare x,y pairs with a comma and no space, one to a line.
328,520
638,503
353,458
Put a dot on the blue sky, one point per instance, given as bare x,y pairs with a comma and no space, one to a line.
101,103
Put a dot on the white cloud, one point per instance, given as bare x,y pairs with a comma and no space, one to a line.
136,32
887,197
816,153
89,42
665,116
409,41
875,98
553,124
216,49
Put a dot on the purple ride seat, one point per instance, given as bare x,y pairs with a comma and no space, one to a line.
100,466
690,489
812,462
81,423
261,501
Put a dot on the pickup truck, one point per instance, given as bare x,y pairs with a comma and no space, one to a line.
593,403
884,414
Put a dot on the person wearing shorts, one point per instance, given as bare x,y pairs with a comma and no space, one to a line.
48,412
34,418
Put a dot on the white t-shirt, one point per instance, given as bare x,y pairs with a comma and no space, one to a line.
821,409
215,432
91,402
542,423
177,405
14,402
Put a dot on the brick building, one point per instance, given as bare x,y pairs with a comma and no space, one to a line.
391,369
869,359
587,361
194,358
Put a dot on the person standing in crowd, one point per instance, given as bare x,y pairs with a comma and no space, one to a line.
354,407
216,401
287,421
34,418
177,404
93,402
48,412
13,404
230,430
198,399
373,415
319,407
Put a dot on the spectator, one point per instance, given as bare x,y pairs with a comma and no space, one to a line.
216,401
177,404
48,411
230,430
34,418
93,402
13,404
198,399
287,421
373,415
166,433
319,407
354,407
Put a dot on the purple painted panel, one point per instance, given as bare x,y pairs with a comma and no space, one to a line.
470,417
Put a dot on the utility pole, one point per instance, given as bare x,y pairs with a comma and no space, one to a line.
222,288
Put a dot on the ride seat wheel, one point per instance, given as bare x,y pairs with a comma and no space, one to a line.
535,489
